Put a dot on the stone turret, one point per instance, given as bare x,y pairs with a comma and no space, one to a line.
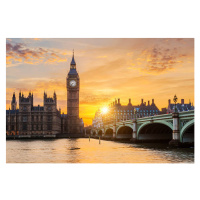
119,101
13,102
153,102
129,103
25,103
50,103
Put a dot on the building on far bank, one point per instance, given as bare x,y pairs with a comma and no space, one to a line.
33,120
118,112
181,107
97,122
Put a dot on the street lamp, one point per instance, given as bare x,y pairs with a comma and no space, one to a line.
135,113
175,100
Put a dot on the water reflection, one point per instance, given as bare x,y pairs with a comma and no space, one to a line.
83,151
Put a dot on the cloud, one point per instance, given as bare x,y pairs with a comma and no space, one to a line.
160,59
18,53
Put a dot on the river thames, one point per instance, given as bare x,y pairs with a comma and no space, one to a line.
84,151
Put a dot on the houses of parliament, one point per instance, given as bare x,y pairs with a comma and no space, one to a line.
47,121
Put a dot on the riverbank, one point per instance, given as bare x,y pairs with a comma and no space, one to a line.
54,137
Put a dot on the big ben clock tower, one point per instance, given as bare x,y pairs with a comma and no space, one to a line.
73,86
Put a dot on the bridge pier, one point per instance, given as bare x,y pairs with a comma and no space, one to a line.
85,132
103,133
114,132
134,134
175,142
91,135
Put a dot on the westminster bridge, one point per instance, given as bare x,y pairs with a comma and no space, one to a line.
177,128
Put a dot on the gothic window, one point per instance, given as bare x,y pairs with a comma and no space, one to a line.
24,108
12,128
24,127
13,118
49,108
24,119
49,127
49,118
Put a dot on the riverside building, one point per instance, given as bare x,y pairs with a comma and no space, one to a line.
47,121
118,112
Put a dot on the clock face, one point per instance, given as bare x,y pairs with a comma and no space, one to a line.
72,83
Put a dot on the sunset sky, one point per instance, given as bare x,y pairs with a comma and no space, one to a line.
108,69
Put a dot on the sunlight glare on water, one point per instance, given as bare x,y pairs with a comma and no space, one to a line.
82,151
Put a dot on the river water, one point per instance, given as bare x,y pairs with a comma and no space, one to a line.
84,151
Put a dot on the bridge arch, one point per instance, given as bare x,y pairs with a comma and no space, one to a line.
155,122
124,132
88,131
128,125
100,133
158,130
187,132
94,132
108,132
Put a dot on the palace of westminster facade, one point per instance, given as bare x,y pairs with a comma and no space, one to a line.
47,120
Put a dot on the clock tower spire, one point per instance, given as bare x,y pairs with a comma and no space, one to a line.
73,87
73,63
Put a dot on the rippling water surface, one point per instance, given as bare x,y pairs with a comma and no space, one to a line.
83,151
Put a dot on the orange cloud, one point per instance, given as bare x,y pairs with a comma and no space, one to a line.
160,59
18,53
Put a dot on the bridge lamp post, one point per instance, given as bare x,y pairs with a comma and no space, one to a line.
134,134
176,127
135,113
175,100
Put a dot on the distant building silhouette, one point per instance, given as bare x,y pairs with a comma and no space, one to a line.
181,107
118,112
